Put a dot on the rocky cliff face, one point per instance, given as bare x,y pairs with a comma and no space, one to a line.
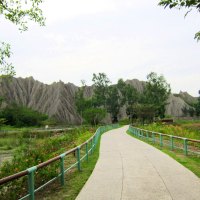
57,99
187,98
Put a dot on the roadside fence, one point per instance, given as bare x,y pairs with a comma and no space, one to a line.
82,153
187,145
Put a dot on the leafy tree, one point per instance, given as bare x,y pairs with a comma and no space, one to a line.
156,93
145,112
121,85
94,115
185,111
113,102
101,83
82,104
188,4
191,111
197,106
129,97
6,69
80,101
19,13
21,116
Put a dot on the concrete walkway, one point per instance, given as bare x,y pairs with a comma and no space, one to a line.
130,169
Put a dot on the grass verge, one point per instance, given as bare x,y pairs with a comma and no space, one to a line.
192,162
74,181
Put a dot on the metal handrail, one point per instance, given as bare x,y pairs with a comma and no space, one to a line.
138,132
30,171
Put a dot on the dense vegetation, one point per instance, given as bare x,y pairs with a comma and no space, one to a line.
20,116
180,128
34,150
193,110
107,98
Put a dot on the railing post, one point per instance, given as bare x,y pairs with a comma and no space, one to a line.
133,131
153,137
78,158
161,140
94,142
171,142
185,146
31,182
147,135
62,169
91,146
87,155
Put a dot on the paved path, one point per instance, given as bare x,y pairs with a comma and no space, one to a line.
130,169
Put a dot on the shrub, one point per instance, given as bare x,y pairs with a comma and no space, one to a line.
22,116
31,153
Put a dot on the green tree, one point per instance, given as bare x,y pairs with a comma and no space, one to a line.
6,69
19,13
145,112
191,111
187,4
80,102
94,115
101,83
113,102
129,97
156,93
185,111
197,106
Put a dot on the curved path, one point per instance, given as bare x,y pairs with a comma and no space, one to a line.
130,169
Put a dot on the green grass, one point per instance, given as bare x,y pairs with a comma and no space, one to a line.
74,181
192,121
191,162
32,152
177,130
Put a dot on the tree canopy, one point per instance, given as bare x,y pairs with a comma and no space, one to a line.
19,13
112,98
188,4
101,83
156,93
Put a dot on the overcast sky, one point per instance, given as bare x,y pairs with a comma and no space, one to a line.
122,38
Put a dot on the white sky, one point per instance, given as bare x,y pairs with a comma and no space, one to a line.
122,38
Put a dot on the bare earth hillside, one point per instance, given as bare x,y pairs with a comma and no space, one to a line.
57,99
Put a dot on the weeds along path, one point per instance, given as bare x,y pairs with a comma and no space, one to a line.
130,169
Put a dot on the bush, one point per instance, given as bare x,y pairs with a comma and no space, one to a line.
124,122
94,115
31,153
21,116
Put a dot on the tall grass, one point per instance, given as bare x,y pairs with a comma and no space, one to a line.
177,130
32,152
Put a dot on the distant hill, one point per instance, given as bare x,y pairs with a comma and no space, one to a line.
57,99
187,98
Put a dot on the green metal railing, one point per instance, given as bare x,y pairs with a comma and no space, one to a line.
30,172
187,145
